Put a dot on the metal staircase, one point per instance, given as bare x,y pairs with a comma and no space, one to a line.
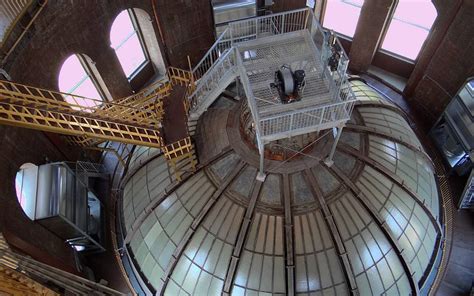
253,50
211,85
88,122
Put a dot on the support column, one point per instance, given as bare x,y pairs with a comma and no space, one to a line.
238,89
261,174
328,161
290,256
373,19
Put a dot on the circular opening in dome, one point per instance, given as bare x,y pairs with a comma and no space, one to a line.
26,181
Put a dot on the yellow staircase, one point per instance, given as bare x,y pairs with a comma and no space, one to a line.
181,157
136,119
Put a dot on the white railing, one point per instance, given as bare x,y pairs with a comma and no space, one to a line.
264,26
306,120
213,54
254,28
210,82
250,97
222,58
259,27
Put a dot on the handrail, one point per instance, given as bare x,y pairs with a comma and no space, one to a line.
228,37
47,99
211,56
276,24
248,92
226,63
273,15
12,11
36,269
206,78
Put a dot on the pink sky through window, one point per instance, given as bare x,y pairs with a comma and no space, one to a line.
74,79
124,40
342,16
410,27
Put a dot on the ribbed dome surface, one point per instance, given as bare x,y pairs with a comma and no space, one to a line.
368,224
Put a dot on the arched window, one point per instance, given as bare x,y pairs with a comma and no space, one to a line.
25,186
76,77
342,16
126,39
409,27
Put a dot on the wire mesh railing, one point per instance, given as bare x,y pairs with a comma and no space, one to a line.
210,82
240,31
220,60
251,29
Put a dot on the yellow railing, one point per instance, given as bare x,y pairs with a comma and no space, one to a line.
43,99
13,282
26,268
46,110
82,141
87,122
179,76
179,155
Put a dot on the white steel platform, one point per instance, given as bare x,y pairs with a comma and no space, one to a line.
253,50
261,58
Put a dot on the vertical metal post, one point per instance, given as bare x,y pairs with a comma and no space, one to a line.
237,88
291,123
256,28
283,25
261,174
328,161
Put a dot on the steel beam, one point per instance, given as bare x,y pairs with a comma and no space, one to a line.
289,230
335,235
196,223
244,229
381,224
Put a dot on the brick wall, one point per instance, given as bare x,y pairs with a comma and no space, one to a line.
188,29
444,63
19,146
81,26
447,61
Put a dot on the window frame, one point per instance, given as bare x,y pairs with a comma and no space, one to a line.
323,15
141,39
393,8
90,74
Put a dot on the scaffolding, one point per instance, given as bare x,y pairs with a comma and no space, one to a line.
88,122
253,50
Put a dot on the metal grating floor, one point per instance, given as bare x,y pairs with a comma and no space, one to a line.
261,59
